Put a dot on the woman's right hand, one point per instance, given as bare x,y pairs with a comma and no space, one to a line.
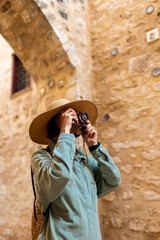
65,120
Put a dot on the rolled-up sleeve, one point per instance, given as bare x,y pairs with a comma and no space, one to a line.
51,174
106,173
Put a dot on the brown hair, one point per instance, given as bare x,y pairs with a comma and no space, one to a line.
52,129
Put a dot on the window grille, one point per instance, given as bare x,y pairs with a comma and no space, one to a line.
21,78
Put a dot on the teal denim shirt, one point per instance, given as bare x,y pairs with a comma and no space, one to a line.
70,188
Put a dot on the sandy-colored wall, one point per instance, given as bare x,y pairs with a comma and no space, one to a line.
124,88
16,196
51,47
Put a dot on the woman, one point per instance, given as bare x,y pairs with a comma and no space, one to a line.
68,181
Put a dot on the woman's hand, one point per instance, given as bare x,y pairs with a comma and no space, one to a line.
65,119
90,135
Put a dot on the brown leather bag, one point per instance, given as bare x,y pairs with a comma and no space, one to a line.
37,221
37,216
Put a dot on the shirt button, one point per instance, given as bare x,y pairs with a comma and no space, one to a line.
101,148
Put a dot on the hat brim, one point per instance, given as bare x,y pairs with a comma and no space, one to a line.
38,127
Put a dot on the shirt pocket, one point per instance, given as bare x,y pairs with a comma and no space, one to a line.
70,228
66,205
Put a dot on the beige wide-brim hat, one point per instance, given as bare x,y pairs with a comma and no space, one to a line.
38,127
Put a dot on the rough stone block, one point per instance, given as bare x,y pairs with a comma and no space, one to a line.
151,196
4,24
156,86
80,22
78,1
63,65
110,197
33,10
10,36
64,3
19,4
126,209
42,4
52,39
151,155
116,223
153,180
57,55
3,190
118,146
130,127
51,18
66,26
116,160
135,113
69,47
152,227
127,195
60,34
140,65
127,169
137,225
108,133
131,83
62,13
5,7
137,166
75,60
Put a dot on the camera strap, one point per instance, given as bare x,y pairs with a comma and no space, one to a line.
84,147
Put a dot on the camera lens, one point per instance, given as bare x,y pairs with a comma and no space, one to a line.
83,117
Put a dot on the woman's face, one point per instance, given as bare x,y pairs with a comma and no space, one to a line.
73,129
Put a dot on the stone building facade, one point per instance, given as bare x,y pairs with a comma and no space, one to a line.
95,50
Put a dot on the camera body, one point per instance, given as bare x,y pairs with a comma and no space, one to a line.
82,122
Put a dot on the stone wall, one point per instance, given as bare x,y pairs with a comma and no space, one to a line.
128,98
16,197
52,43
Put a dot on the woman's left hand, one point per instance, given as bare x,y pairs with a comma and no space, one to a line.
90,135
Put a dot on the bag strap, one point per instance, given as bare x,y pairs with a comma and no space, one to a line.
85,149
34,195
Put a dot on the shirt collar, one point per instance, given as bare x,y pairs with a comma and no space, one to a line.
51,145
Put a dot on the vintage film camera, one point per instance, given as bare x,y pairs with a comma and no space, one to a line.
82,123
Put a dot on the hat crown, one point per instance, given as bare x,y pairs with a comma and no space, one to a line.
56,104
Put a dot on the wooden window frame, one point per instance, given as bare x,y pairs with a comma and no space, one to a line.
13,92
